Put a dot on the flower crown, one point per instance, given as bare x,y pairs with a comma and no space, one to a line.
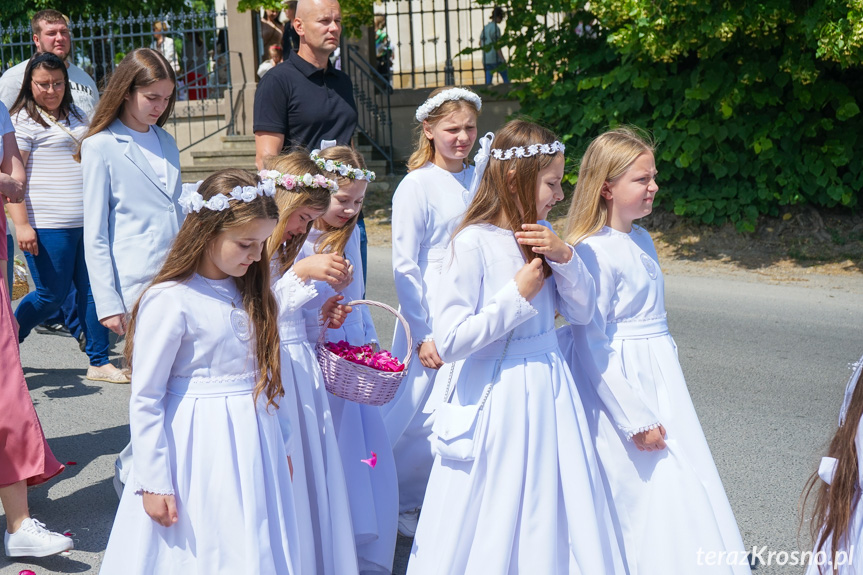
432,104
342,169
191,201
293,181
531,150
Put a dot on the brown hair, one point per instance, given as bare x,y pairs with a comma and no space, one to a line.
25,100
834,503
424,151
48,17
607,158
508,185
140,68
334,240
196,235
296,162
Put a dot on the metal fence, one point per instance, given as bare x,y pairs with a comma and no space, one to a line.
436,42
200,57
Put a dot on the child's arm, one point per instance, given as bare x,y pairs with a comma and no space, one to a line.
603,364
160,326
409,221
461,327
576,294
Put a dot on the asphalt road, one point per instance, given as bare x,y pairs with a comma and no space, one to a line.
766,364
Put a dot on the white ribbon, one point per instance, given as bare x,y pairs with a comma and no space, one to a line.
328,144
480,161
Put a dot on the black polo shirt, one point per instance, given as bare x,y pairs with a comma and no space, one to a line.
306,104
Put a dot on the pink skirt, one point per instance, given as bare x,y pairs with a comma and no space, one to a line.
24,452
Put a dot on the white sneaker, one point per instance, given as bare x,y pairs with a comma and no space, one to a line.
408,522
33,540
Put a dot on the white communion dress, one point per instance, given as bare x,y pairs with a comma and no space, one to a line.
372,492
199,435
323,510
670,505
532,501
428,205
849,553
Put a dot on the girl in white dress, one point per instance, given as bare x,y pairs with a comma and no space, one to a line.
837,517
210,486
373,492
323,512
670,507
528,498
427,206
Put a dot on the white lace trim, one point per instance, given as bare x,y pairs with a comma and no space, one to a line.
630,433
522,305
142,489
301,291
429,337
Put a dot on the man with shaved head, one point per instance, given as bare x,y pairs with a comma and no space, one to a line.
305,99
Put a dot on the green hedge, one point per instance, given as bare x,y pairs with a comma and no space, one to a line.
753,107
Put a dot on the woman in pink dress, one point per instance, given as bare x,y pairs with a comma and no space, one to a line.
25,458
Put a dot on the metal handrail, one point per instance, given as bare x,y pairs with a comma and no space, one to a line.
372,95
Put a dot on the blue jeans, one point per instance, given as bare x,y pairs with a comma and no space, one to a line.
490,69
60,264
10,265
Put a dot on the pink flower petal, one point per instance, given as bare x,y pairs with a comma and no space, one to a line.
371,461
26,572
71,463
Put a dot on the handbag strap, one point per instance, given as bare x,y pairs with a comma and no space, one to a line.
487,391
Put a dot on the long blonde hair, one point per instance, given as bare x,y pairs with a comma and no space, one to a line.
834,504
296,162
607,158
493,203
333,239
196,235
424,150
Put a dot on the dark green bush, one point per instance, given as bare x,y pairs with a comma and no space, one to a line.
754,105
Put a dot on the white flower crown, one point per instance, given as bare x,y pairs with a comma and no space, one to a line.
293,181
432,104
342,169
531,150
191,201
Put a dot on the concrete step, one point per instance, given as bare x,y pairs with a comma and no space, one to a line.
238,142
191,174
225,158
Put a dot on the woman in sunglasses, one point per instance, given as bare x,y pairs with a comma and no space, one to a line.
50,224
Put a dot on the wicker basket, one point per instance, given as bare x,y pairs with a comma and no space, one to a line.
360,383
20,286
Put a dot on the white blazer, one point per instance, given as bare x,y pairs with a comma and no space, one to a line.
130,218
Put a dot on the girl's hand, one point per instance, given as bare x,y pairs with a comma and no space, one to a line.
529,279
27,239
341,286
11,188
427,352
161,508
335,312
116,323
650,440
330,268
545,242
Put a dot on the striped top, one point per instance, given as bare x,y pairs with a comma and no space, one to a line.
55,182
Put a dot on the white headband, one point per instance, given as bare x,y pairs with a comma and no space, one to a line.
340,168
434,103
292,181
191,201
531,150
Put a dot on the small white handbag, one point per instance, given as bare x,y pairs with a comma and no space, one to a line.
458,429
